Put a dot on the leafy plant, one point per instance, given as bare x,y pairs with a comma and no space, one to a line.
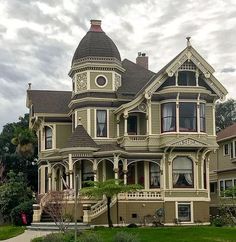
90,237
25,207
109,189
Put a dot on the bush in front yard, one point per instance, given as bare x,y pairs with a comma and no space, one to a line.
25,207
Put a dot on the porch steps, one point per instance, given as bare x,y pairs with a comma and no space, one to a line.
51,226
46,218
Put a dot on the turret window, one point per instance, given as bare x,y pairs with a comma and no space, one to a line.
101,123
101,81
48,138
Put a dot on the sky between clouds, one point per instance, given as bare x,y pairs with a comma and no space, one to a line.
38,39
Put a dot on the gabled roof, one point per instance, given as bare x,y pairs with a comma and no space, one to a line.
80,139
134,77
45,101
227,133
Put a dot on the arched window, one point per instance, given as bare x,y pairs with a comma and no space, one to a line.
182,172
48,138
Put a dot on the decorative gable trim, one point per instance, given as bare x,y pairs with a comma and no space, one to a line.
187,142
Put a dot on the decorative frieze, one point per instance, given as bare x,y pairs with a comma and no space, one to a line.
117,81
82,81
188,142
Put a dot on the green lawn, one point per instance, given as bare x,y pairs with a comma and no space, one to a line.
176,234
170,234
9,231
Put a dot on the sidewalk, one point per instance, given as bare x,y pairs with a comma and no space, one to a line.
27,236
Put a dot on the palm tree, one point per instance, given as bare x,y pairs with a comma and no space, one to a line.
109,189
24,139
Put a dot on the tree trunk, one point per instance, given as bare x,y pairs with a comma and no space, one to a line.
109,212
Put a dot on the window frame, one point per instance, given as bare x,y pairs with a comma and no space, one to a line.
183,187
194,117
223,182
106,122
48,139
158,174
228,149
101,86
162,118
190,205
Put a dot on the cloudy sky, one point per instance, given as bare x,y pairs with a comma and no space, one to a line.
38,39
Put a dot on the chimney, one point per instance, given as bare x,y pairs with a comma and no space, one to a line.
95,25
142,60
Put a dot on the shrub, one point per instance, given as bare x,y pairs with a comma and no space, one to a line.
125,237
89,237
25,207
132,226
218,221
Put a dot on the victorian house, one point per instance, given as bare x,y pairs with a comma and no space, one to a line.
122,120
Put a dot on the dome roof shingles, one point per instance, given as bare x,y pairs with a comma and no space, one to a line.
96,44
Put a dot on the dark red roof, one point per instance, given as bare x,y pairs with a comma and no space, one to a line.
227,133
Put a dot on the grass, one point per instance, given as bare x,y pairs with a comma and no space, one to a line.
9,231
175,234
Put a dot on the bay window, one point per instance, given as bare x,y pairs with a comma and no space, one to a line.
182,173
168,117
101,123
187,117
48,137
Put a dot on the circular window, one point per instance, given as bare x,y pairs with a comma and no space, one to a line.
101,81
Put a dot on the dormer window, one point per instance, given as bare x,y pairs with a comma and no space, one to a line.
186,78
48,137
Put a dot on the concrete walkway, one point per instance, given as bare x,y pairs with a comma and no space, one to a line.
27,236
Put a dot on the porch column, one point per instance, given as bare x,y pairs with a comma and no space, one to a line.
71,170
49,178
67,179
118,126
95,170
162,175
116,168
198,117
125,122
146,175
125,170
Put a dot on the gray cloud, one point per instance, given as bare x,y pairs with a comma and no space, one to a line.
228,69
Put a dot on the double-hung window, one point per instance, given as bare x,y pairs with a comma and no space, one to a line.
48,138
154,175
101,123
187,117
168,117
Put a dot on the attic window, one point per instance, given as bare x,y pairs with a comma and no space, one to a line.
186,78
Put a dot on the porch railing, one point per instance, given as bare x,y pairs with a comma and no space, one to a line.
143,195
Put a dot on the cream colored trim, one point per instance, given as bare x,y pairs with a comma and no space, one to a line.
191,210
89,121
102,86
88,80
76,118
51,114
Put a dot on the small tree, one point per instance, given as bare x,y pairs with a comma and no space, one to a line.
109,189
56,205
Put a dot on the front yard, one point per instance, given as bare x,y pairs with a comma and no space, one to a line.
175,234
9,231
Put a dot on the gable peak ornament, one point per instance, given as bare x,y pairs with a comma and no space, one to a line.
188,41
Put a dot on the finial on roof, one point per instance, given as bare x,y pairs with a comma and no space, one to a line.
188,41
29,87
79,121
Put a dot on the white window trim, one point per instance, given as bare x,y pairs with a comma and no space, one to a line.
177,102
53,127
226,179
191,211
228,149
101,86
95,123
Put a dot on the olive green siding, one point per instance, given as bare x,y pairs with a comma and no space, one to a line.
94,75
121,126
112,124
209,119
156,118
201,212
169,208
63,132
83,115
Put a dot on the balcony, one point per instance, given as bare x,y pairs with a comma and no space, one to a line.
133,141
